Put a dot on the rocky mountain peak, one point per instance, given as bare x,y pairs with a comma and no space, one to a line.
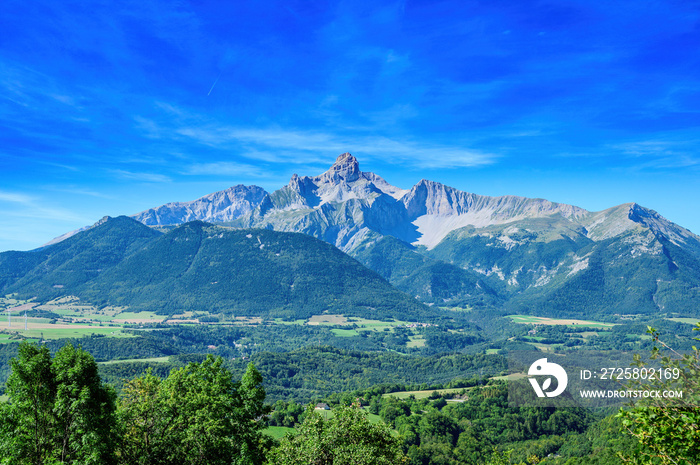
346,168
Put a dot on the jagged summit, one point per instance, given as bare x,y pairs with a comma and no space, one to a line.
346,167
341,182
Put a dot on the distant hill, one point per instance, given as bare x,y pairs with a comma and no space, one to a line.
201,267
64,267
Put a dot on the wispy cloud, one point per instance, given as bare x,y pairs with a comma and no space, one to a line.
225,169
25,206
646,148
142,177
80,191
661,154
392,150
292,146
14,197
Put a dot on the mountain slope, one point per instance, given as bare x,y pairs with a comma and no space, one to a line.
63,268
429,280
551,266
453,247
201,267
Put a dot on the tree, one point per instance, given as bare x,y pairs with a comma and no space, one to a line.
197,415
84,409
144,421
58,411
668,429
348,438
28,415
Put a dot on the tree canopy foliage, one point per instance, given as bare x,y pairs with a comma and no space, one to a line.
348,438
59,411
667,428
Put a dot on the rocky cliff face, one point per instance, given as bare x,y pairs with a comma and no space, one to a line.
344,206
226,205
436,210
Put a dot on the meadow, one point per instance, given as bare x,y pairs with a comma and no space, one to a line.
537,320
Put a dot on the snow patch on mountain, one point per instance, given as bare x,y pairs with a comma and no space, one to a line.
580,264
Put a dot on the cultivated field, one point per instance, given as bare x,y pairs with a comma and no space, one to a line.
537,320
424,394
690,321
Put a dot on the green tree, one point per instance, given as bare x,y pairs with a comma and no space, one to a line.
58,411
197,415
84,409
144,421
348,438
668,429
28,416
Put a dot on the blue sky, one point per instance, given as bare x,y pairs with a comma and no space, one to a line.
110,108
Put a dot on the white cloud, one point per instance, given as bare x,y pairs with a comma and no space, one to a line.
303,147
143,177
23,206
287,142
661,154
224,169
13,197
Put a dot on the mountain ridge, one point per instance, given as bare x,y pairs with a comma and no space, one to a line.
449,247
199,266
219,206
422,215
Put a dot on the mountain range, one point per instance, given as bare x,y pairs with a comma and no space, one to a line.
447,247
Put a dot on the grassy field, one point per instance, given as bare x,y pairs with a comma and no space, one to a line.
543,347
328,320
362,324
80,315
143,360
422,394
60,331
138,317
277,432
690,321
457,309
585,334
511,376
345,332
78,319
537,320
280,321
377,325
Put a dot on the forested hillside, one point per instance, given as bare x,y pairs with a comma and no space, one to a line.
200,267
